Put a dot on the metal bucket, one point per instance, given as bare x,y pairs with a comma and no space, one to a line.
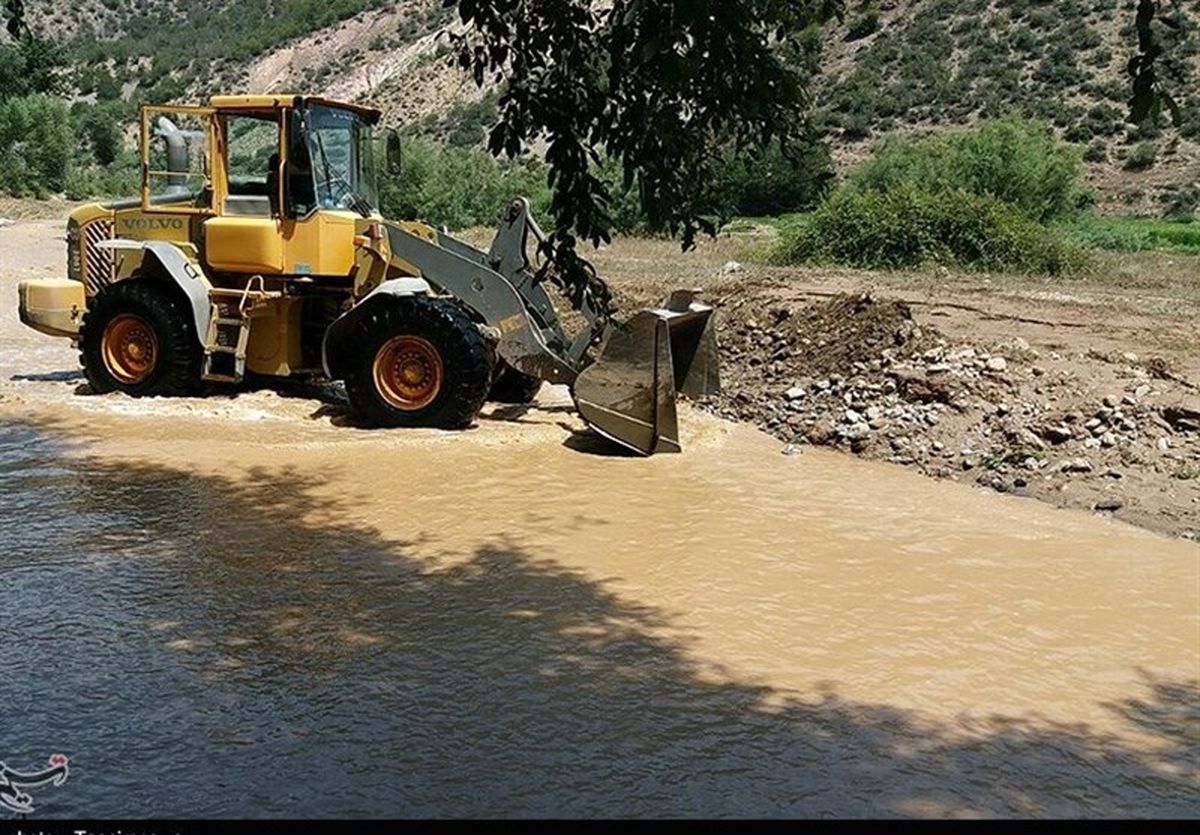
628,394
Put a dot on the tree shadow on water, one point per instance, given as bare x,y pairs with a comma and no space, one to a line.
260,651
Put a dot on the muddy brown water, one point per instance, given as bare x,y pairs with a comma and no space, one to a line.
242,606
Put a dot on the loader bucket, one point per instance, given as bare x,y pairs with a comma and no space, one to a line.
628,394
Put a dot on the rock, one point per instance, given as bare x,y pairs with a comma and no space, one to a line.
919,387
874,413
1130,357
1057,434
792,449
1076,465
1108,505
1111,473
853,417
1141,391
1037,371
4,221
731,267
1163,444
1108,439
1182,415
794,393
856,432
996,364
821,433
1110,401
967,464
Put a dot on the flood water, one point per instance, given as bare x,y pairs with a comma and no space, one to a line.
275,619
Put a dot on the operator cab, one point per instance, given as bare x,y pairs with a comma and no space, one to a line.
285,182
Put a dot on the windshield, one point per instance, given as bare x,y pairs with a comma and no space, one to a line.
340,153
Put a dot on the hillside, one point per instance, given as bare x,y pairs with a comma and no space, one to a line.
892,65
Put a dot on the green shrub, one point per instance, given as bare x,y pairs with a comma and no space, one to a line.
1182,205
863,26
907,227
36,143
1096,152
459,187
1012,160
29,67
1141,157
775,183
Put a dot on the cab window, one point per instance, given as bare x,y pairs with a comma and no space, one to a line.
252,141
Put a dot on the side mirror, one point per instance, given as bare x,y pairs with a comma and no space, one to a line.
392,154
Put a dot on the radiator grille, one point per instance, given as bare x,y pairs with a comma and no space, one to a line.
99,266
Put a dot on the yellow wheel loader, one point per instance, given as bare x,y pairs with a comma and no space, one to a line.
256,246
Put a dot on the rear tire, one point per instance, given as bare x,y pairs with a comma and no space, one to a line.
512,386
138,337
417,361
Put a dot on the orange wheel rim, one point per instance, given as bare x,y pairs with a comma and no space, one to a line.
408,372
130,348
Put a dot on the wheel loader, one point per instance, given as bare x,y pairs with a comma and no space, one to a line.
256,247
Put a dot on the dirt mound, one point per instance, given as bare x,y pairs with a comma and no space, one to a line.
849,330
845,336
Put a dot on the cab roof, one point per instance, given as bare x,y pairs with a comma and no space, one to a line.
281,100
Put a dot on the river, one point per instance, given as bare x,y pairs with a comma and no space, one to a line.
243,606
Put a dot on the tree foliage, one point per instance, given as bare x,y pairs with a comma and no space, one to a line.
661,87
1149,95
30,66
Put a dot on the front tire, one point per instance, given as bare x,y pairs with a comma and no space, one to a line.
138,337
418,361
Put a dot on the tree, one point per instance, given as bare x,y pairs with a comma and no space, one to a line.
663,88
1150,97
30,66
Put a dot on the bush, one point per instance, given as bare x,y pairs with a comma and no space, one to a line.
30,67
1141,157
1182,205
862,27
774,183
907,227
459,187
1096,152
36,143
1015,161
